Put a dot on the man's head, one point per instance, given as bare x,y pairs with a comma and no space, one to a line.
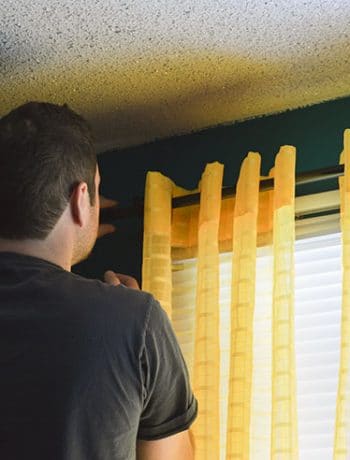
47,162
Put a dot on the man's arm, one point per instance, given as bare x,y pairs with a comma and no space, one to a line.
163,346
176,447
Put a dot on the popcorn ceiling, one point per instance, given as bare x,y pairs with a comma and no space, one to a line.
141,70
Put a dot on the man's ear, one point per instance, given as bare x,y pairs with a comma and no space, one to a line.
80,204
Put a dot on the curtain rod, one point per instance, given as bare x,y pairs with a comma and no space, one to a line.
108,215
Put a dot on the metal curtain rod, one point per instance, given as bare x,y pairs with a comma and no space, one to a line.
318,175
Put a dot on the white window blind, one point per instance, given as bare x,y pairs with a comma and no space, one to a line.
317,337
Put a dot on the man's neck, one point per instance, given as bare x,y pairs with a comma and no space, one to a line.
42,249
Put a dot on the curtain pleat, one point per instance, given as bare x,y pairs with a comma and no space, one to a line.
206,373
156,268
284,430
242,309
342,425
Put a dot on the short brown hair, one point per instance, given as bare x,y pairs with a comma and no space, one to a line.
45,151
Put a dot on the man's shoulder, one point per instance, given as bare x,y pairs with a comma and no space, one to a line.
110,300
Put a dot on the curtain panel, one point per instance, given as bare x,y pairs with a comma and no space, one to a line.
258,418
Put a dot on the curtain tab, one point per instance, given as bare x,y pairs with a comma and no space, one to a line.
248,185
211,190
284,181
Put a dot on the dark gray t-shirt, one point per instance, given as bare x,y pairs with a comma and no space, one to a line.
86,368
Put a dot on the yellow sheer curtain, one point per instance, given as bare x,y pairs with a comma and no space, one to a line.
284,433
244,419
156,267
342,426
261,406
206,371
204,357
242,309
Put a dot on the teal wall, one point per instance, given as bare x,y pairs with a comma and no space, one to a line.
316,132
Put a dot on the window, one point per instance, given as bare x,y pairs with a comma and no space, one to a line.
317,330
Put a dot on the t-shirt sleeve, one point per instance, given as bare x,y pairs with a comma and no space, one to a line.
169,405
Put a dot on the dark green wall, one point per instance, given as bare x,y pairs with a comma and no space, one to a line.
316,132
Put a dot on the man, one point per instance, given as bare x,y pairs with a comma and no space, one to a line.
88,370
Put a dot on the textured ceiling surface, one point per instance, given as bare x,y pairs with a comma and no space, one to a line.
145,69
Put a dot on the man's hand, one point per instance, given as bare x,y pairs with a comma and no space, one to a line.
118,278
105,229
111,277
